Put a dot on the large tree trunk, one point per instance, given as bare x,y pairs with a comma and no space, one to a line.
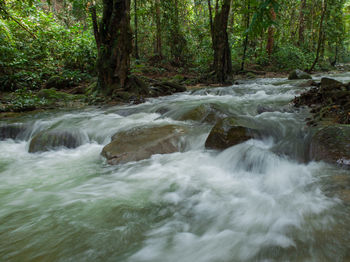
114,39
302,23
222,52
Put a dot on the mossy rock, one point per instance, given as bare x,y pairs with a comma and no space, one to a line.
227,133
58,82
141,143
52,139
250,75
54,95
332,145
209,113
92,88
298,74
166,88
329,84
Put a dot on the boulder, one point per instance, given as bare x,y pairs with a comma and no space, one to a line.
141,143
332,145
52,139
11,131
298,74
209,113
58,82
54,95
227,133
166,88
329,84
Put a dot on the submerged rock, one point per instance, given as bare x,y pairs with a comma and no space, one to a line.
227,133
298,74
141,143
11,131
284,109
52,139
332,145
309,83
209,113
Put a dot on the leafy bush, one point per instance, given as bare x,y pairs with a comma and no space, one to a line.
27,61
289,57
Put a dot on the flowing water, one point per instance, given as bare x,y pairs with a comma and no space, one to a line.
257,201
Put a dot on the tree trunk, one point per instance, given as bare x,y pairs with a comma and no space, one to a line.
245,44
210,18
222,52
114,39
320,37
159,31
270,33
136,31
302,23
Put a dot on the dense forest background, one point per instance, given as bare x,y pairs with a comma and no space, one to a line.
181,39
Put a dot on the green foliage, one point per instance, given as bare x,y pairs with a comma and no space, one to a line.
289,57
28,59
26,99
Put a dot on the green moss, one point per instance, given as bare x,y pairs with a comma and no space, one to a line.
54,95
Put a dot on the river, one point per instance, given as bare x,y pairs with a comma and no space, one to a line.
256,201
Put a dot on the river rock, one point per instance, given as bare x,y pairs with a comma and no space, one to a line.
11,131
141,143
58,82
329,84
331,144
227,133
298,74
209,113
166,88
52,139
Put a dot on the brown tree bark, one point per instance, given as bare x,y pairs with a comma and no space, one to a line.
222,52
302,23
114,38
271,33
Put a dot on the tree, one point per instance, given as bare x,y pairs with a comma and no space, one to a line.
222,52
271,32
245,44
302,22
158,45
320,36
136,30
114,42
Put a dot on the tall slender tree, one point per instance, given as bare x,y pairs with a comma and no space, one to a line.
302,23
